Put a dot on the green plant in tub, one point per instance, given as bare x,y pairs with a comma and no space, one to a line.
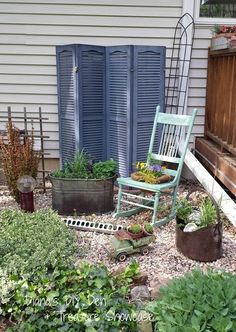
208,213
184,209
104,169
82,167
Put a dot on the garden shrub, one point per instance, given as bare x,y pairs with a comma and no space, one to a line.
86,299
197,302
18,159
34,241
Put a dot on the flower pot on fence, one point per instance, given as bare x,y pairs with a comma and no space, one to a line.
70,196
203,244
222,41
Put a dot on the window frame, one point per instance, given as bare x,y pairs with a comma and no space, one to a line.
210,20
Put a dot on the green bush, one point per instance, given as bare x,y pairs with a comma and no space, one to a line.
34,241
197,302
87,299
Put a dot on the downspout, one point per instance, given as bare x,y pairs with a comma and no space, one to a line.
225,203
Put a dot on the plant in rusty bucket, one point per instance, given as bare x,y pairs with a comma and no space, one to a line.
195,218
18,157
199,228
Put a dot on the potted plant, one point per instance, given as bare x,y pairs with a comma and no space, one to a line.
222,36
151,172
135,231
148,229
83,186
199,229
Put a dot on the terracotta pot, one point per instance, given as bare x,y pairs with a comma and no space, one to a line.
226,35
145,232
164,178
137,176
135,236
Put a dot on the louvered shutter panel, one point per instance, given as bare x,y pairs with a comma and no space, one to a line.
91,85
149,90
118,106
66,101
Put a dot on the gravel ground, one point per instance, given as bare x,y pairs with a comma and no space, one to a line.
163,260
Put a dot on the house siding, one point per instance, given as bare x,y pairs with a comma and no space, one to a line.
30,30
198,76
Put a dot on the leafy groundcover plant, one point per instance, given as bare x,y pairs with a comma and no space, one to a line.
34,241
42,289
86,299
197,302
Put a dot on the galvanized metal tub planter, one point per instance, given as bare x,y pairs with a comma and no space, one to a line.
79,196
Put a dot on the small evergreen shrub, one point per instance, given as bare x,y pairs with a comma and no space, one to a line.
197,302
34,241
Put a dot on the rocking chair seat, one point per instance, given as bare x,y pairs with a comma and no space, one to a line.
145,186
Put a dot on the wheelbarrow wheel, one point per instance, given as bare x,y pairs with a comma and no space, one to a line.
121,257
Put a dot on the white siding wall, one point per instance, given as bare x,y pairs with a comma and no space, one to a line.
198,75
30,29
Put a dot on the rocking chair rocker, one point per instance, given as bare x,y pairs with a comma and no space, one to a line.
175,133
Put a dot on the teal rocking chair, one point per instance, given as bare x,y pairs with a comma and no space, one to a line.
175,134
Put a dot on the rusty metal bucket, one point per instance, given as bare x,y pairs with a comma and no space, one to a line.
204,244
78,196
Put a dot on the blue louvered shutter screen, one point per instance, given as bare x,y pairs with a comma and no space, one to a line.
149,90
66,101
107,99
91,86
118,106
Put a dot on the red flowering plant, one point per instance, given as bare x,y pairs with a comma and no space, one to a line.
222,29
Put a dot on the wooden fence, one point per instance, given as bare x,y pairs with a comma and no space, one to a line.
220,125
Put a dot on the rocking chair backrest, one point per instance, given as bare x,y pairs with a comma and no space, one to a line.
176,130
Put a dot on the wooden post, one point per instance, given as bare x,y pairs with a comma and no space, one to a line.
42,148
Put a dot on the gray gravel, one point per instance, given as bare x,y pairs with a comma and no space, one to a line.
163,259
